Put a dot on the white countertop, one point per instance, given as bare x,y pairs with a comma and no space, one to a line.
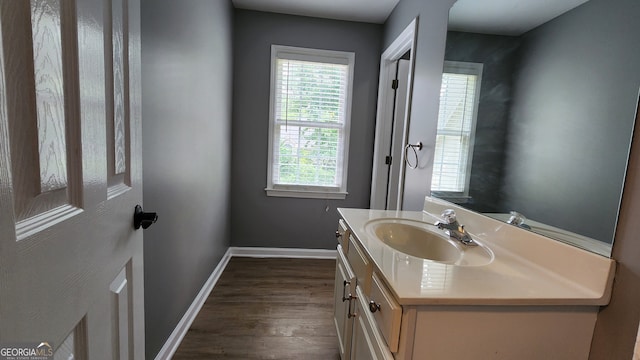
527,269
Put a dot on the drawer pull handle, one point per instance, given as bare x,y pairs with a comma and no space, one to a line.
338,235
344,290
349,313
373,307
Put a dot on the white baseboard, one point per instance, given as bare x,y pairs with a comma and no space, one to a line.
174,340
262,252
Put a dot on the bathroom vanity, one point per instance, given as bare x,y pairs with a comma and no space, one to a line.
405,290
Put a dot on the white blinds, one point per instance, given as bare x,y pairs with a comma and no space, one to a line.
454,134
309,125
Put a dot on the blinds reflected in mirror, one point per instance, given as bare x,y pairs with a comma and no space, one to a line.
459,95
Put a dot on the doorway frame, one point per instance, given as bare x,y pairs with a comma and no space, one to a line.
406,41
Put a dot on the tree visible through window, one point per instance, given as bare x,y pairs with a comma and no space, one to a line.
310,105
456,127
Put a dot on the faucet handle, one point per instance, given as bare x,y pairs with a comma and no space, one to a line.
449,216
516,218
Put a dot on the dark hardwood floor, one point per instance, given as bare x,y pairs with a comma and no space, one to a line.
267,309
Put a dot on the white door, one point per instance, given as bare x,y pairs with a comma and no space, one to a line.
387,181
70,176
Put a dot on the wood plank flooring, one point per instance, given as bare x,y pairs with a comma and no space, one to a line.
267,309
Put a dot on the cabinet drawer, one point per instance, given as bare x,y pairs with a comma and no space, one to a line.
360,264
343,235
386,312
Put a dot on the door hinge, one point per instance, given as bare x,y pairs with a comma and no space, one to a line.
387,160
394,84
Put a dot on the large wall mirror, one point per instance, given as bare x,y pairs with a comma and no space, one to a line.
537,116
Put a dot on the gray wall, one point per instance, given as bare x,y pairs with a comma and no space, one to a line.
572,115
429,55
186,108
617,325
258,220
498,54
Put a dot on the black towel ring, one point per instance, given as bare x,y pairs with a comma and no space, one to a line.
415,153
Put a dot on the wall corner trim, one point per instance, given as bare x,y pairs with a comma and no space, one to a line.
174,340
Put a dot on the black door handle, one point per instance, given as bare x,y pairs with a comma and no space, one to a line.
143,219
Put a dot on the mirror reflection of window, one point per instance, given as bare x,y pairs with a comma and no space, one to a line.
459,97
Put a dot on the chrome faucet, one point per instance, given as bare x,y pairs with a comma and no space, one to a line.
453,228
518,220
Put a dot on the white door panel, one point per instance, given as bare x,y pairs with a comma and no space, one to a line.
70,177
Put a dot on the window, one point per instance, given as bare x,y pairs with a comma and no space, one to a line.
309,122
459,97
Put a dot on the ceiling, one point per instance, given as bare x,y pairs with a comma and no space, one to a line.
504,17
372,11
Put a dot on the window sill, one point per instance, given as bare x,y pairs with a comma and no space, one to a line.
456,199
306,194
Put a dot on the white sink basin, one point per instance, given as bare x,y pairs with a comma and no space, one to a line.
416,239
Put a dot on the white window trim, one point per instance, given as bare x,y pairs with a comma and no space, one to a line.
467,68
327,56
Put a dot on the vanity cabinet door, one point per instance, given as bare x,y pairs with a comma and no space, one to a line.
345,285
367,344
